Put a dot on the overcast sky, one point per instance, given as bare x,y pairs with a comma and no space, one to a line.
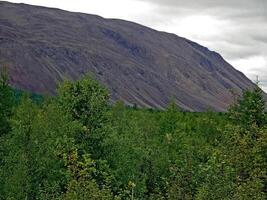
237,29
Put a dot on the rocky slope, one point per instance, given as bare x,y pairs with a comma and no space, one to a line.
139,65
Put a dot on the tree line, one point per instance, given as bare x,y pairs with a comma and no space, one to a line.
77,146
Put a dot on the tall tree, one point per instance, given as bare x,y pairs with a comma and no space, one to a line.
86,101
6,102
18,162
250,109
6,108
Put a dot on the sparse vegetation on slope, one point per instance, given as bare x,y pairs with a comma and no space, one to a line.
137,64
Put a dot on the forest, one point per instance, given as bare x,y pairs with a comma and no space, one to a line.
77,146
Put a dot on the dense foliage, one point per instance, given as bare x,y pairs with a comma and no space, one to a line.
77,146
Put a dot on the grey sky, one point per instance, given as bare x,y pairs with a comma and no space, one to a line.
237,29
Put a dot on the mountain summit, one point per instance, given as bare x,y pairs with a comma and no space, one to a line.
139,65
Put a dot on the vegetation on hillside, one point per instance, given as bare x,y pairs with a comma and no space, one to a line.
75,146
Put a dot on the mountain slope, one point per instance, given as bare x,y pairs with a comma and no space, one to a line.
139,65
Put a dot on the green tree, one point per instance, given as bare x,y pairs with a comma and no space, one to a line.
249,110
18,162
86,101
34,167
81,185
6,111
169,120
237,169
6,102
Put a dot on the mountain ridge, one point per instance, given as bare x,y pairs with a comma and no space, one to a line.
138,64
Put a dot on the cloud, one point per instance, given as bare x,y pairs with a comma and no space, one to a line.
207,4
235,28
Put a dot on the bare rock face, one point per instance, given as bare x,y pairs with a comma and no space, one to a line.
139,65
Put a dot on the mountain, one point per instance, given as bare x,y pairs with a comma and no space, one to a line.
139,65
